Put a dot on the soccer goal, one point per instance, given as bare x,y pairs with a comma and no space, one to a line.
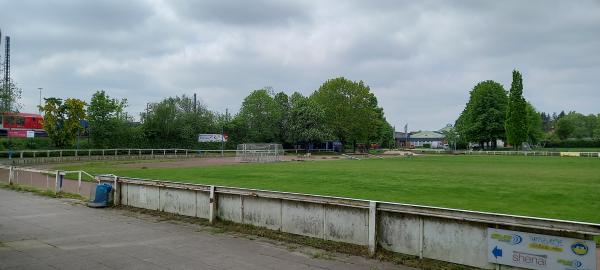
259,152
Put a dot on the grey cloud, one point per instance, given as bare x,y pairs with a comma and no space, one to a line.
242,13
420,58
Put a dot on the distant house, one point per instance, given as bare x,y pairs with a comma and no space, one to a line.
419,138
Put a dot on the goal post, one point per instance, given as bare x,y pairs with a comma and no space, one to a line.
259,152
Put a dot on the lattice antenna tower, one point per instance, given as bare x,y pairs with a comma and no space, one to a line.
7,72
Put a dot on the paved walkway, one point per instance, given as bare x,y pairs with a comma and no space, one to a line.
44,233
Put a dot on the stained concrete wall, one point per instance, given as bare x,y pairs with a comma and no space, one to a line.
445,239
262,212
455,241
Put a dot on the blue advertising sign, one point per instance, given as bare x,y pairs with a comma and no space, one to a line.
537,251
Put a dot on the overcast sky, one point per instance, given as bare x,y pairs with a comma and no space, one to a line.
420,58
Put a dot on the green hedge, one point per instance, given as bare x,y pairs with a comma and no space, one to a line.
573,143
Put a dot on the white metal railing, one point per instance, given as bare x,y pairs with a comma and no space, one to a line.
510,153
16,176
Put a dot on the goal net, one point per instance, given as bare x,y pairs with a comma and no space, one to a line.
259,152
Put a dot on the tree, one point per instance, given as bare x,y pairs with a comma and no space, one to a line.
516,114
284,105
176,122
452,136
259,117
564,128
106,118
383,133
351,111
62,121
483,118
9,96
535,130
547,123
596,131
306,121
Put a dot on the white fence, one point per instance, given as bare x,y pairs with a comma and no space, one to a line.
510,153
52,180
450,235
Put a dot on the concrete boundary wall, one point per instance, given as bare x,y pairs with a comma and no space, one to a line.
443,234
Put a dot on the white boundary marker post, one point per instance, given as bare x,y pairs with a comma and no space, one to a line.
79,183
10,175
372,227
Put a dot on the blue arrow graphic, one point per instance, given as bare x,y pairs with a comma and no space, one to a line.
497,252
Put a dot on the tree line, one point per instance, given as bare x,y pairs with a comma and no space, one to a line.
339,110
493,114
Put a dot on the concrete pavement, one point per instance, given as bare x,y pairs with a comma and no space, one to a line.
45,233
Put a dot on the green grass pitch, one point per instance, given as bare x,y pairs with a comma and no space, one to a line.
550,187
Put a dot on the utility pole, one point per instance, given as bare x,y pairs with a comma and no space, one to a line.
7,73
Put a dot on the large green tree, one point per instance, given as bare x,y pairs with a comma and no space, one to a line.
259,118
306,121
535,129
483,118
176,122
106,120
576,125
351,111
284,105
516,113
62,120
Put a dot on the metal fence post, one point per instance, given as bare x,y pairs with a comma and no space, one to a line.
10,175
372,227
212,207
79,183
117,191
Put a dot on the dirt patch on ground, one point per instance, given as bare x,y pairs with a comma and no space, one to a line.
214,161
191,162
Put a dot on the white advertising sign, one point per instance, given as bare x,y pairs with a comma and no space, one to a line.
212,138
537,251
30,134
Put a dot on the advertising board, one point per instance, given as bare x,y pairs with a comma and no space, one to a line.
537,251
212,138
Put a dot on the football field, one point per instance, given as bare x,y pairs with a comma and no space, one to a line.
549,187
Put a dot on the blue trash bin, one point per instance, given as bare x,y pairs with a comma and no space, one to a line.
102,196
